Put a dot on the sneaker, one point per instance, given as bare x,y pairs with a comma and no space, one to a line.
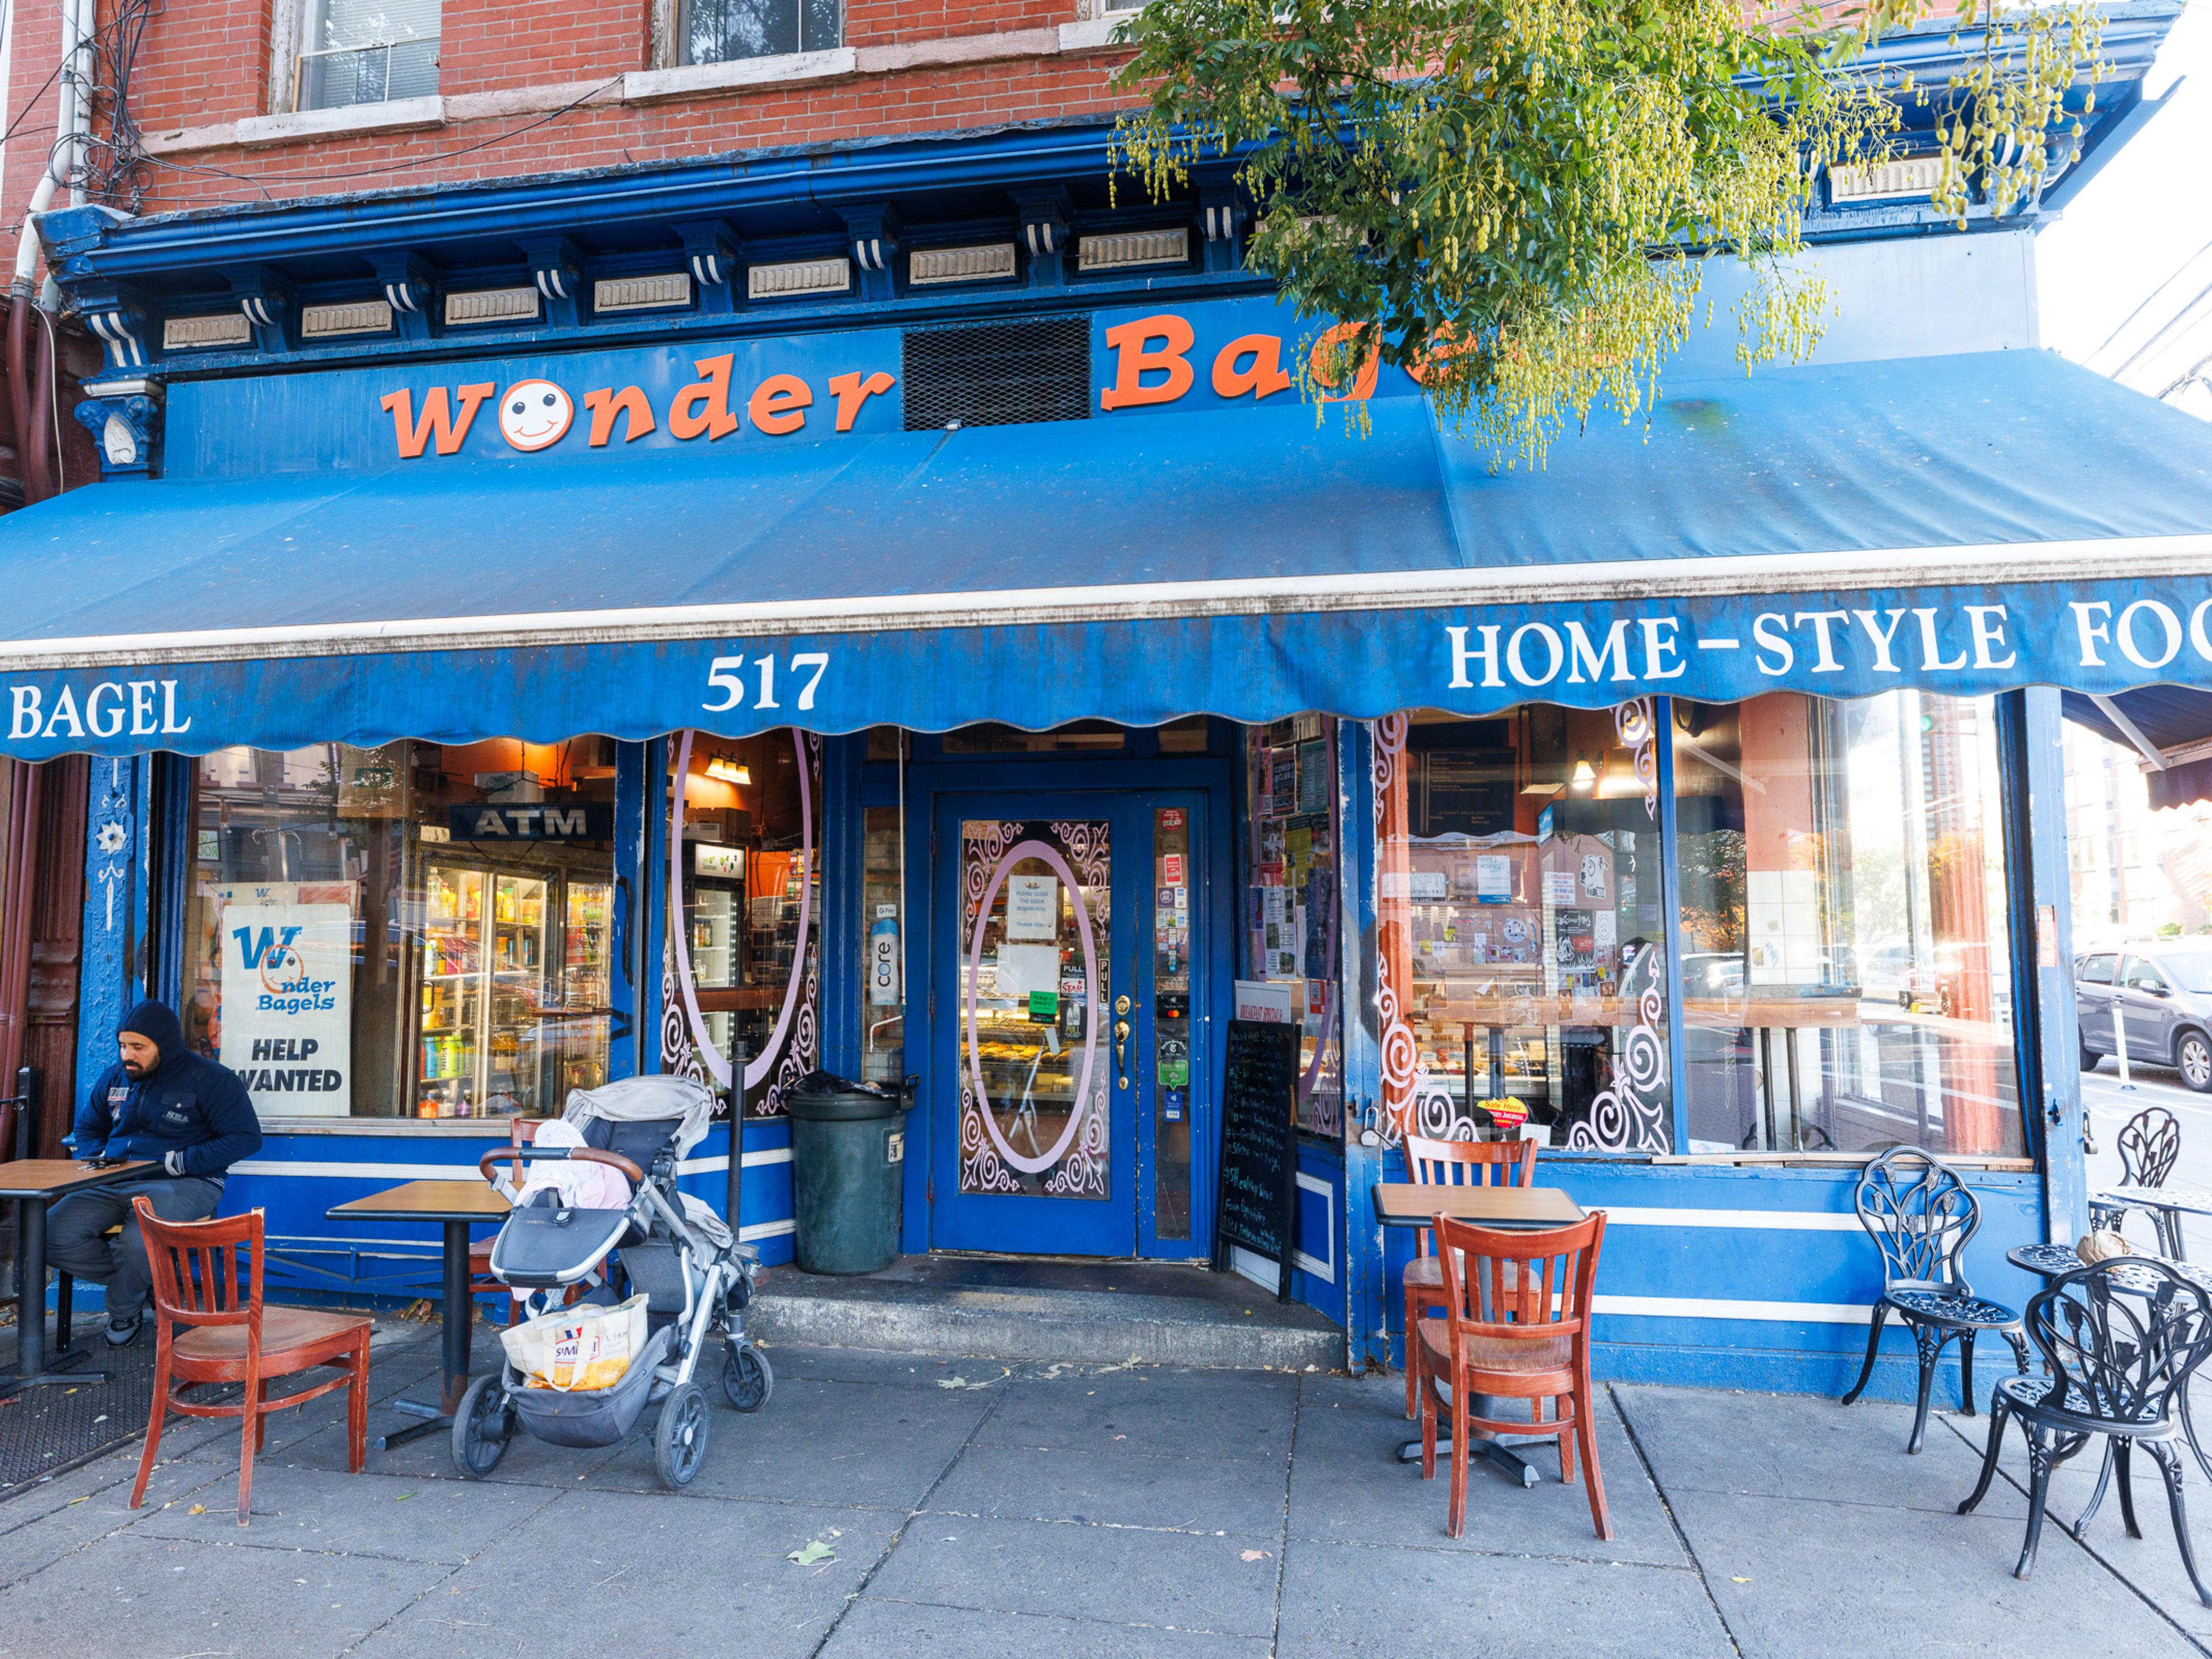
122,1332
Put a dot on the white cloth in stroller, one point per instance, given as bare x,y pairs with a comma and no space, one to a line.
581,1185
650,1099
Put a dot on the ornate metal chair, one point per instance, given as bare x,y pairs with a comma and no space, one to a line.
2120,1340
2148,1147
1920,1216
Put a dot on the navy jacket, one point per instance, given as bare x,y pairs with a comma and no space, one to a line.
187,1103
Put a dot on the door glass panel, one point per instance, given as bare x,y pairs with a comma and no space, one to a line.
1034,1063
1175,896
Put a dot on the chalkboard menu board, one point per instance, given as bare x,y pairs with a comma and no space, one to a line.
1256,1203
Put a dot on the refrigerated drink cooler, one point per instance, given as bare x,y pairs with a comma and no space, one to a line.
514,975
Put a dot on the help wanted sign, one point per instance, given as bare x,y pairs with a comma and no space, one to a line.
287,1005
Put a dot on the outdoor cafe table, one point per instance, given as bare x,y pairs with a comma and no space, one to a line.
1517,1209
34,1183
458,1205
2053,1261
2167,1205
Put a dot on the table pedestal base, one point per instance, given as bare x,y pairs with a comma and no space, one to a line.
1497,1453
434,1421
55,1371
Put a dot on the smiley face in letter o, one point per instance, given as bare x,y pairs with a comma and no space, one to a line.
534,414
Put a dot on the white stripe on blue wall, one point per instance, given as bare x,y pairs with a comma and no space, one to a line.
1798,1221
282,1166
1691,1306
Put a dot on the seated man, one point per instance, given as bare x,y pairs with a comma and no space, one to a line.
159,1103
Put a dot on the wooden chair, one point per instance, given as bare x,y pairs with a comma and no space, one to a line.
1450,1164
230,1337
520,1131
1515,1326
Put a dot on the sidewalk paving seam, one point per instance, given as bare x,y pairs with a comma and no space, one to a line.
1461,1551
1682,1537
1283,1537
452,1571
2085,1546
134,1517
1066,1618
898,1533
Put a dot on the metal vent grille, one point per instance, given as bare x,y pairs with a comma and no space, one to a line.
990,264
998,374
228,328
361,317
492,305
641,292
798,277
1141,247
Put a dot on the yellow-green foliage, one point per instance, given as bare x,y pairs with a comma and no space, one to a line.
1514,200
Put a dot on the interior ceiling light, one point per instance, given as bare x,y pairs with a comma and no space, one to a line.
728,771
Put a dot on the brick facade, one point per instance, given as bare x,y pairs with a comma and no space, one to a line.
508,65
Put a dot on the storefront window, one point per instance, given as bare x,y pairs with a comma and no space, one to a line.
1291,947
414,930
1846,978
1519,947
743,966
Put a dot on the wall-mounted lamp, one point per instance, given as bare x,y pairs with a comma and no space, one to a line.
728,771
1585,776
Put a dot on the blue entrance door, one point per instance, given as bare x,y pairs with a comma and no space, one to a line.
1063,1039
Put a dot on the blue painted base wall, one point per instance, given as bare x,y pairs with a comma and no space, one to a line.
1754,1276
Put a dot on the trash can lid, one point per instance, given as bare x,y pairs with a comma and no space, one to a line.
823,1097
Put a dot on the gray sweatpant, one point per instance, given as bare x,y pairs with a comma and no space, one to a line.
74,1227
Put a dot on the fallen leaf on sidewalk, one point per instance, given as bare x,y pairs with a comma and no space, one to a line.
1738,1581
1131,1363
196,1509
962,1382
73,1502
402,1498
1254,1555
812,1553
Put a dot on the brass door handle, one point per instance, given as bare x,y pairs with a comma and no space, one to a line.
1121,1049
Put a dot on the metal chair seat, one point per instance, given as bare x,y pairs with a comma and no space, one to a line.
1941,1308
2031,1394
1920,1216
2119,1359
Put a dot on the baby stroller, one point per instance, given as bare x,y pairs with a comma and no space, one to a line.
666,1245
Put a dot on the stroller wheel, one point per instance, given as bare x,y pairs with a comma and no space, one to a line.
679,1444
747,1381
482,1428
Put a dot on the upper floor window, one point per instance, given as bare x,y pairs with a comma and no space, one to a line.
722,31
368,51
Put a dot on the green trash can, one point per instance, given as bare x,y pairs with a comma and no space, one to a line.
848,1160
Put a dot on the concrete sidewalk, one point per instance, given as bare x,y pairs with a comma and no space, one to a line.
1083,1512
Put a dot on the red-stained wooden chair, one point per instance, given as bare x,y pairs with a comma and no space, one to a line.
1515,1326
1450,1164
229,1336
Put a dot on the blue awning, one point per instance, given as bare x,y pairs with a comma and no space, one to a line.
2169,726
1962,524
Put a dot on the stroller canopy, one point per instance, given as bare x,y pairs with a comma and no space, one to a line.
646,1100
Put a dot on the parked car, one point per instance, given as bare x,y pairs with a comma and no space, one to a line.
2163,990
